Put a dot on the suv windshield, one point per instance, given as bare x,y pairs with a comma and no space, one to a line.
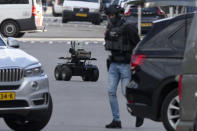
95,1
115,2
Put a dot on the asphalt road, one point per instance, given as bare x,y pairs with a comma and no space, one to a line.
56,29
78,105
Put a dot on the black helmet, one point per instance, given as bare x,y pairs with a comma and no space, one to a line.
114,9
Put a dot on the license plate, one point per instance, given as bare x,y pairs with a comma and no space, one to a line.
81,15
7,96
146,24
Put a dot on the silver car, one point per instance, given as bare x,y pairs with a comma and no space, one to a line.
188,81
25,101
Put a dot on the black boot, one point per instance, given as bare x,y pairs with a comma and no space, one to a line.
114,124
139,121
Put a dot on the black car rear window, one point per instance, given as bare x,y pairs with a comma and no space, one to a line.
95,1
14,1
134,9
171,36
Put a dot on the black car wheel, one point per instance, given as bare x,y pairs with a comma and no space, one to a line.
36,123
95,74
10,28
66,73
96,22
170,112
57,72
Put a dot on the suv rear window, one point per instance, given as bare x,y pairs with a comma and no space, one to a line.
14,1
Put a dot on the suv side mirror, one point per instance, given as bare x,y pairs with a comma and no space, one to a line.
12,42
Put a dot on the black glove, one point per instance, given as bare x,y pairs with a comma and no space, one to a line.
108,62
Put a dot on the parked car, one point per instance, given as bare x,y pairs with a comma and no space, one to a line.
82,10
156,61
21,16
188,83
25,100
121,3
148,16
57,8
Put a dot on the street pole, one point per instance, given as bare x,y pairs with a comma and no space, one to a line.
139,19
171,11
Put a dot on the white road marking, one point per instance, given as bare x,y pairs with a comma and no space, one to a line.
62,39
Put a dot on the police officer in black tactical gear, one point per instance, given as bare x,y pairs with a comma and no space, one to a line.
120,39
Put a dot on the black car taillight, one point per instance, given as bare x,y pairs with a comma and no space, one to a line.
180,86
160,12
128,13
130,101
137,60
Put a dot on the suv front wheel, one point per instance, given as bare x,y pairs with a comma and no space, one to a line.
34,122
170,112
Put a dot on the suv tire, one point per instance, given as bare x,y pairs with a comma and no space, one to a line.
96,22
171,108
35,122
10,28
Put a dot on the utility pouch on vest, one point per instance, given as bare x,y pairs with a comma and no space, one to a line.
118,58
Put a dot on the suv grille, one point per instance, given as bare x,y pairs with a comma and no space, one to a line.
13,104
84,10
11,75
9,87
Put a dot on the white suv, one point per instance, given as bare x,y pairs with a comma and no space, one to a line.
25,101
57,7
82,10
20,16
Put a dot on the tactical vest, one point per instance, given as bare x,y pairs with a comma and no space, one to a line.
114,39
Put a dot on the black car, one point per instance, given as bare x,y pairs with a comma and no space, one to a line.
153,90
148,16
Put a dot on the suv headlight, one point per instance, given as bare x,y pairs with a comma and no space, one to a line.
34,70
94,10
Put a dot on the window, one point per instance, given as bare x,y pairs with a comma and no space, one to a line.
14,1
178,37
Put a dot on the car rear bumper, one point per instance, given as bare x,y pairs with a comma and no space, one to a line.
90,16
29,25
139,101
140,110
